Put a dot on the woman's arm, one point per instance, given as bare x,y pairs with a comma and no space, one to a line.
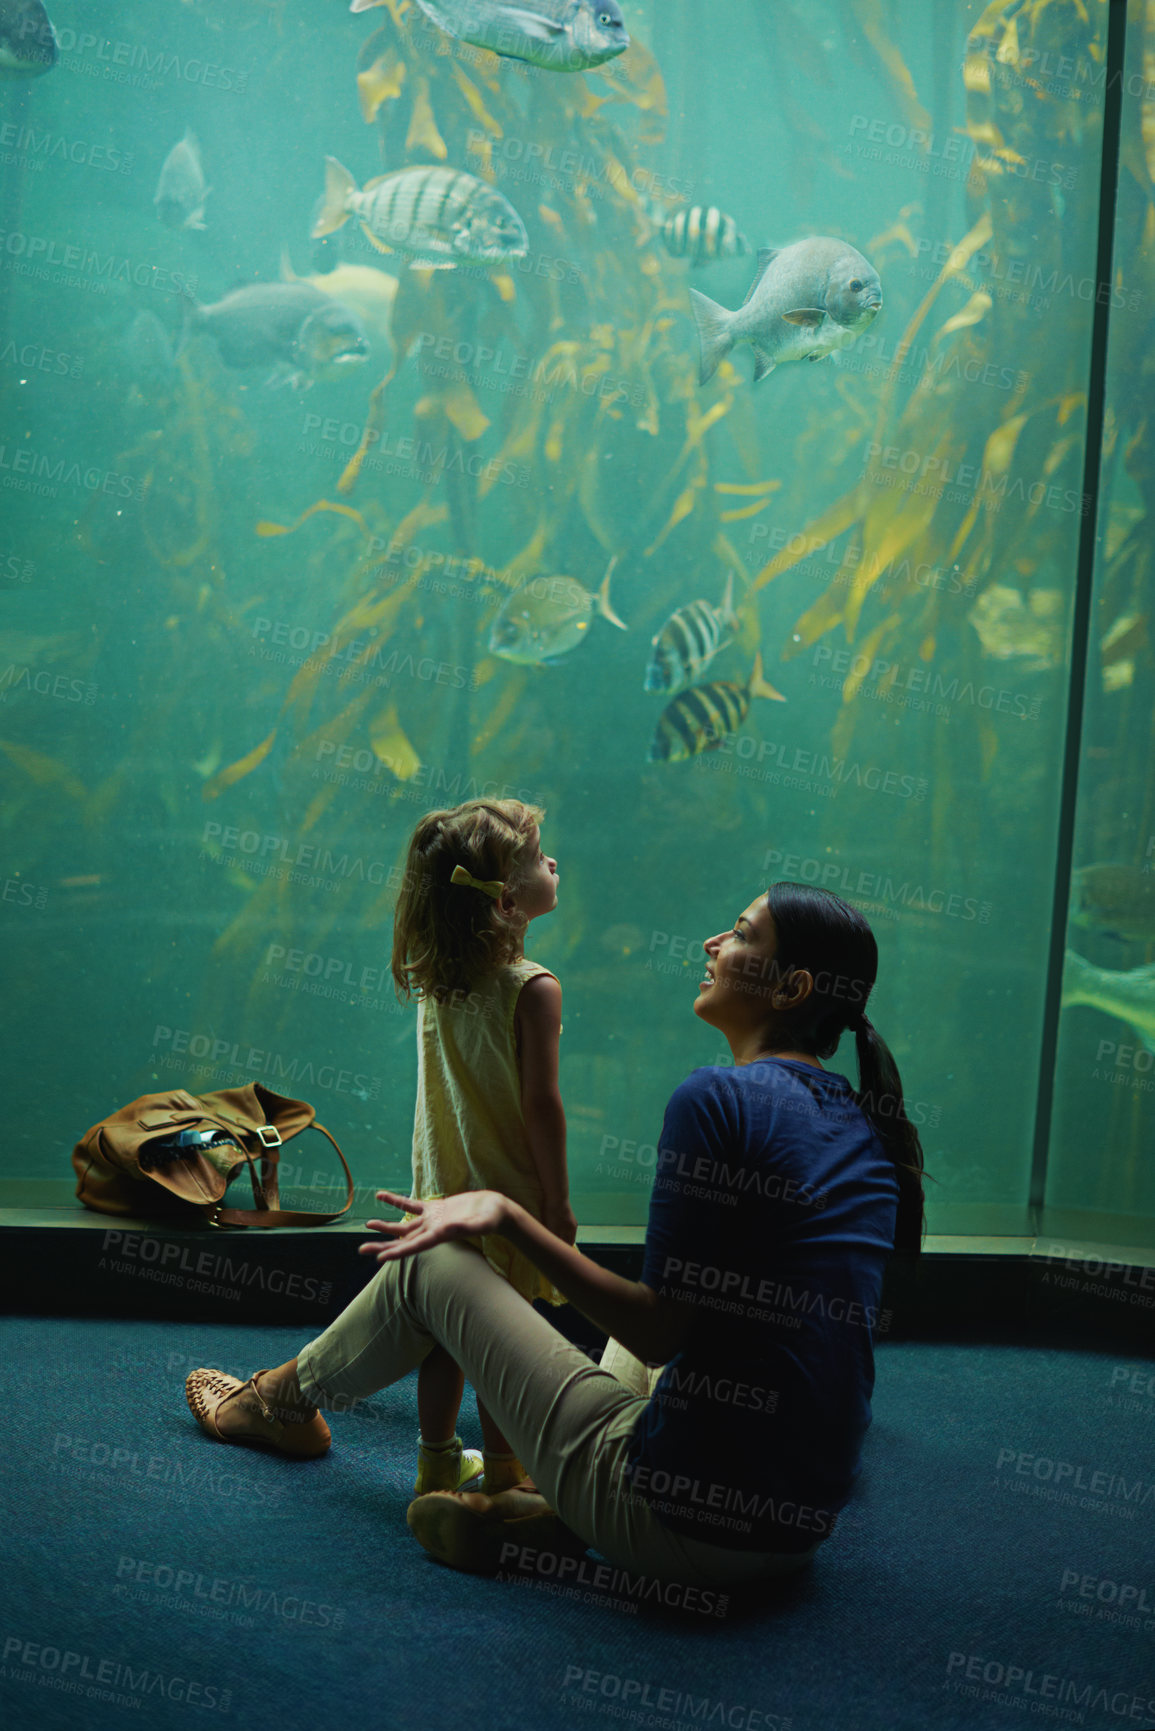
537,1023
651,1327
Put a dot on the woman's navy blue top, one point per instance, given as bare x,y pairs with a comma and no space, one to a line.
772,1214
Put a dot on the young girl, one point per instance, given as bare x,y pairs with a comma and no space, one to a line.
489,1113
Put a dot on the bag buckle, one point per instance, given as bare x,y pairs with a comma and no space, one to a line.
269,1136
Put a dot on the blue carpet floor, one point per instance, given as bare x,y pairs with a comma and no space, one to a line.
996,1568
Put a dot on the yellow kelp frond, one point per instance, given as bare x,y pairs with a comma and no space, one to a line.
476,103
423,133
391,745
874,28
818,534
238,771
380,82
44,771
266,529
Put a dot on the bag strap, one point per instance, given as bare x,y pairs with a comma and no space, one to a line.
222,1216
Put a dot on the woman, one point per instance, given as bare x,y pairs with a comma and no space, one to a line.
778,1195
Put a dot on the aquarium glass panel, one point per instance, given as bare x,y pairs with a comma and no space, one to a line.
1101,1176
687,440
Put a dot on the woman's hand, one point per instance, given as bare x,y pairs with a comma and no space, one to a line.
439,1221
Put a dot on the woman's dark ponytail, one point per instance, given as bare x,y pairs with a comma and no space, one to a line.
818,931
880,1097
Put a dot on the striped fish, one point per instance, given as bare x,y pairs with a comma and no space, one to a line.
441,216
699,720
701,233
689,641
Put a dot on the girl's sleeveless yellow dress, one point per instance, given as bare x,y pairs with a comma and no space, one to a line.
468,1129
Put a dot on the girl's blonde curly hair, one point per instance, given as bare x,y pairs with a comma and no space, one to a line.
447,937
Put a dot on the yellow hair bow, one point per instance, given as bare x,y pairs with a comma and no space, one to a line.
490,887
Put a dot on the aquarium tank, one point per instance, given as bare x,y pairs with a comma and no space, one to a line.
731,432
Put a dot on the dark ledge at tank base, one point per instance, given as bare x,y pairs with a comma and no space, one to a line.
87,1265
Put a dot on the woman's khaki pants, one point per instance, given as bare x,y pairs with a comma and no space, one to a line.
569,1420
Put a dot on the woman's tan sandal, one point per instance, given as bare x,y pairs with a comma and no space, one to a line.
480,1534
206,1392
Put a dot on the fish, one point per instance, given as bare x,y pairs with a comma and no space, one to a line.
181,190
805,301
1117,900
560,35
28,44
700,719
285,325
689,641
1011,624
1129,996
147,347
369,291
442,217
701,233
548,617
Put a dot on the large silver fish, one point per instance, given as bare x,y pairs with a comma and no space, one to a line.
441,216
1129,996
547,617
289,326
689,641
561,35
181,190
28,44
806,300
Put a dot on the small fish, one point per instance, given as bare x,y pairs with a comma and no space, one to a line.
441,216
1011,624
1118,900
689,641
561,35
28,44
805,301
700,719
547,617
285,325
700,234
1129,996
181,190
369,291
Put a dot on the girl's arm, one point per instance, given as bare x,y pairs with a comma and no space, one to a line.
537,1024
653,1328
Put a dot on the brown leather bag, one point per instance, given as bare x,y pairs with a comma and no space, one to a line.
117,1175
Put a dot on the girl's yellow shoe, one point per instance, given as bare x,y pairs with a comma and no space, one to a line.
446,1469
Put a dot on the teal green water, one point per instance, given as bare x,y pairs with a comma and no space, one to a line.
901,524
